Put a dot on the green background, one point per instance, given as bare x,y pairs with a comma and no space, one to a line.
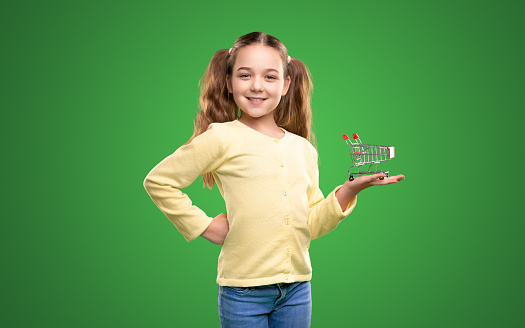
94,94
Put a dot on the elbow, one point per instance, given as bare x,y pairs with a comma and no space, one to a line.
147,183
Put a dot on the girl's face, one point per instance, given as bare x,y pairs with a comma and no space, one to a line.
257,82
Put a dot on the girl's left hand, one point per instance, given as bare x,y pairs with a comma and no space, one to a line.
365,181
351,188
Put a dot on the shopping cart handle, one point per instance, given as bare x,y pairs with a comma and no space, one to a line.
345,137
355,136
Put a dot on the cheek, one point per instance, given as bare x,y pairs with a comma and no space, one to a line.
277,89
237,87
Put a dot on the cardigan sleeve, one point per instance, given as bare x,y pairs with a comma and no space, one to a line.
203,154
324,213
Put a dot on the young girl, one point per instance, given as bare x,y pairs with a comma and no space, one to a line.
266,170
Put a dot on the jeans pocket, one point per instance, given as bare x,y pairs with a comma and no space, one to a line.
239,290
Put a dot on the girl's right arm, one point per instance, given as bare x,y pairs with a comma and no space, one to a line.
204,153
217,230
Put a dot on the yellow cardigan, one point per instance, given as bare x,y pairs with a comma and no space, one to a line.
273,201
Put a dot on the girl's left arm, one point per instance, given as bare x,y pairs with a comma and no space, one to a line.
325,214
350,189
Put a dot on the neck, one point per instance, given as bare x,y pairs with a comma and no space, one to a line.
265,125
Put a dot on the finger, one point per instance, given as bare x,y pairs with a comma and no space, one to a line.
389,180
397,178
400,177
376,176
385,181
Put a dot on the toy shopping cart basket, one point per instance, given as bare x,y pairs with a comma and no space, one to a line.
362,155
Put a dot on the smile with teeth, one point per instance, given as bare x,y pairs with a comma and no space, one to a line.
256,100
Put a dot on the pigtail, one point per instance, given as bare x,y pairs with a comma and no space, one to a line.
216,103
294,112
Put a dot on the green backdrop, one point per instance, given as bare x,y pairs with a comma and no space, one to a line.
96,93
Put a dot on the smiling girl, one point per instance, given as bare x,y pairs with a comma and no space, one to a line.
266,170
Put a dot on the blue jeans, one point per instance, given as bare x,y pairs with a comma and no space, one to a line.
271,306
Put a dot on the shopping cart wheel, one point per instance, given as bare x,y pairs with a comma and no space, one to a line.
351,177
381,178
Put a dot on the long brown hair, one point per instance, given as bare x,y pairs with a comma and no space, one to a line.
293,113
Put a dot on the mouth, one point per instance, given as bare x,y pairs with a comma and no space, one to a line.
256,100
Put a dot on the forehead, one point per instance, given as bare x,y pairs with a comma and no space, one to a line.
258,57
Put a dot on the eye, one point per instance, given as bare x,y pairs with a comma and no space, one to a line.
271,77
244,75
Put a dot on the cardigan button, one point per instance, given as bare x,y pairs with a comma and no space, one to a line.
287,221
276,140
282,164
285,193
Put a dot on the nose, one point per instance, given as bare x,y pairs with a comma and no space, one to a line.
256,85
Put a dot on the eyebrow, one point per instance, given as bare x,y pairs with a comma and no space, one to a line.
249,69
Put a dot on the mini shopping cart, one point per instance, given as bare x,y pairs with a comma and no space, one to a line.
362,155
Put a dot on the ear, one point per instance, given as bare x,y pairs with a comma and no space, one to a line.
229,84
286,86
